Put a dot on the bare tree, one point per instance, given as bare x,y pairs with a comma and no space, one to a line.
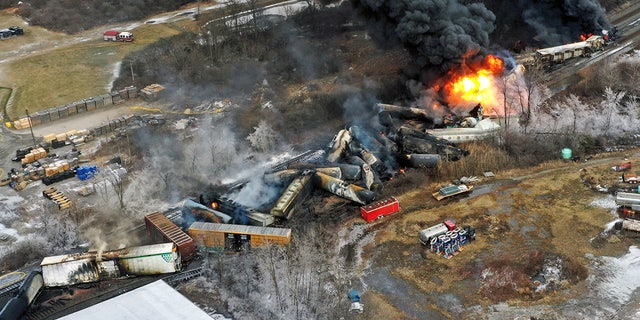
574,104
264,138
610,105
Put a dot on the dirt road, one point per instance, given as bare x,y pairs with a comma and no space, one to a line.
535,255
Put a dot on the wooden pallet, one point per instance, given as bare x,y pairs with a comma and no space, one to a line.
58,197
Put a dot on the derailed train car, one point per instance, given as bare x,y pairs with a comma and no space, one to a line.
71,269
26,294
233,237
162,230
292,197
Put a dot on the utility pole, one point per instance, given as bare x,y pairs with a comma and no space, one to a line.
31,129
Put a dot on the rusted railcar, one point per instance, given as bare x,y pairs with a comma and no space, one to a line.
233,237
162,230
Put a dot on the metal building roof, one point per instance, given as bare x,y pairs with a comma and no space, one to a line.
235,228
157,301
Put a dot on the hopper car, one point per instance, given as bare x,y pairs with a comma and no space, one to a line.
292,197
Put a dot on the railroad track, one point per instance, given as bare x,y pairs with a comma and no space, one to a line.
305,156
61,307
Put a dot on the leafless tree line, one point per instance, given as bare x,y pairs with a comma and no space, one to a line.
305,280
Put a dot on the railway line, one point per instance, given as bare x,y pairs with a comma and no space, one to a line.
563,76
55,307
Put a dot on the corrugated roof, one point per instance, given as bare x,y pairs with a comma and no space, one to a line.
157,301
235,228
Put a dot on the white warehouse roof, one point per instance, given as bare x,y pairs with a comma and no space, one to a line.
157,301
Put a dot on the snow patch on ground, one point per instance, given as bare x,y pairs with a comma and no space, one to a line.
621,276
608,202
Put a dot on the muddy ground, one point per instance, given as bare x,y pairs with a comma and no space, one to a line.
540,250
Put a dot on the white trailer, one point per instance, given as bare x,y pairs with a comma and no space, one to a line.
426,235
627,198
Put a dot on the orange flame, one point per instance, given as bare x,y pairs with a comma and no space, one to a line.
474,84
584,37
214,205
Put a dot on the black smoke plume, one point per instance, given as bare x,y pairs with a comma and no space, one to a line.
557,22
436,32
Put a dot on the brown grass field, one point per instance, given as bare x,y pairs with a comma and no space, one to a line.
47,69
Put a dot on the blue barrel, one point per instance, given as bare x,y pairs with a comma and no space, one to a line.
434,244
448,251
567,153
463,236
440,244
455,241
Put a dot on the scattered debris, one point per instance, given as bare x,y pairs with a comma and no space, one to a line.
452,190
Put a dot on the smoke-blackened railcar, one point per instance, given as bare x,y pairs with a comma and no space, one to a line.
561,53
290,200
162,230
26,294
235,237
71,269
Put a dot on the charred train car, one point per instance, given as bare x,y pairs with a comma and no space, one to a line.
93,266
25,295
292,197
559,54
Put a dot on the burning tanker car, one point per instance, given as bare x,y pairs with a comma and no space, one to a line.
360,157
353,166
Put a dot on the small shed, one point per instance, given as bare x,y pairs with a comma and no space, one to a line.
111,35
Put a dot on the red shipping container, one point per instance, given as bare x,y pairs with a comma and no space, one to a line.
379,209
